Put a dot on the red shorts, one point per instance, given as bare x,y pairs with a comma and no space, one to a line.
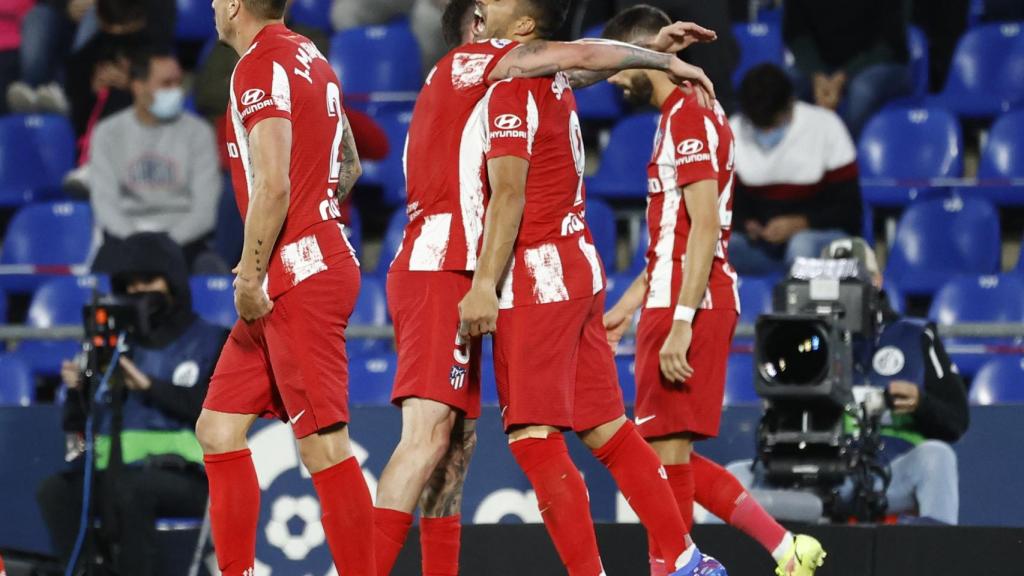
554,366
425,310
664,407
291,364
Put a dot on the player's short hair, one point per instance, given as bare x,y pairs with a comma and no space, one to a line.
550,15
452,21
641,21
765,92
142,62
120,11
267,9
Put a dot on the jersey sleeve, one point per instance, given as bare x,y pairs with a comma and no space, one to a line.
512,119
696,146
260,90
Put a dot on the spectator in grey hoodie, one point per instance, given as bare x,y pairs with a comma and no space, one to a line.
153,167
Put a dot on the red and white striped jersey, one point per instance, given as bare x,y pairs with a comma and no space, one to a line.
692,144
554,258
283,75
444,162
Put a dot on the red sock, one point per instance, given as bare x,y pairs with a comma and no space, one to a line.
234,510
439,544
347,514
723,495
564,504
390,529
680,478
638,473
2,572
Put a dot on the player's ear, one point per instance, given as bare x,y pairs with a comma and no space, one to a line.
525,26
234,6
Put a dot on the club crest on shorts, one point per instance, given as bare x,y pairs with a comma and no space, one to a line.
457,377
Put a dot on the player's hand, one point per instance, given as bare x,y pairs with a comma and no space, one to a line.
134,379
906,396
780,229
70,374
681,72
616,322
674,365
478,312
754,229
680,36
251,301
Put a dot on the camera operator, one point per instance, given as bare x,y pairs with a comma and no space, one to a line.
927,401
163,385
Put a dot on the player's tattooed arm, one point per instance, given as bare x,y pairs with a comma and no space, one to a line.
270,143
442,496
351,167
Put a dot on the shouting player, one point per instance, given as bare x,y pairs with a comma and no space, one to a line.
554,367
438,380
690,304
293,160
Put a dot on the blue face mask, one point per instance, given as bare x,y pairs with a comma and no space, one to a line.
768,139
167,103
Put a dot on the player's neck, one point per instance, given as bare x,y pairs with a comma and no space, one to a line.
662,89
246,33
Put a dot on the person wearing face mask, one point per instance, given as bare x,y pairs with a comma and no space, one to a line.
163,381
153,168
796,177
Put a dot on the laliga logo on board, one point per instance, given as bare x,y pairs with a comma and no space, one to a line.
252,96
507,122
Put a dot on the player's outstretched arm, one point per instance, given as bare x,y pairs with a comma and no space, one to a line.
270,144
351,167
479,309
543,58
618,318
701,200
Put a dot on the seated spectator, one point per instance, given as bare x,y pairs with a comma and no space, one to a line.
796,171
158,471
11,15
153,167
424,16
927,411
851,53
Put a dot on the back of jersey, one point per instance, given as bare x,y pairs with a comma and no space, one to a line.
446,184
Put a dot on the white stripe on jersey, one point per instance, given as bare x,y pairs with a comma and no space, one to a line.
660,283
280,90
241,135
545,267
507,293
590,253
428,250
532,121
472,148
712,133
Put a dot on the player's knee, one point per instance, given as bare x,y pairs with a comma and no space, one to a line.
217,436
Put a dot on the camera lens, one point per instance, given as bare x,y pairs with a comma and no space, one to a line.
793,353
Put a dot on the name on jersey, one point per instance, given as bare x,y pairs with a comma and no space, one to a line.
305,56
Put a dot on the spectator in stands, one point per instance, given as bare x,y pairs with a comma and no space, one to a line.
11,14
158,472
424,15
928,406
153,167
796,169
852,53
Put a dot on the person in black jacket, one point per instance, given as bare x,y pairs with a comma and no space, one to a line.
158,470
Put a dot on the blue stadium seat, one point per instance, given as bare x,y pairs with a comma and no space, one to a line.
371,310
739,380
378,64
312,13
639,262
939,238
3,307
194,21
58,302
755,297
601,101
213,299
389,173
36,152
760,43
392,241
1002,157
623,169
626,366
978,299
601,221
617,285
17,386
488,384
917,47
984,79
1000,381
370,378
914,144
896,298
50,234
